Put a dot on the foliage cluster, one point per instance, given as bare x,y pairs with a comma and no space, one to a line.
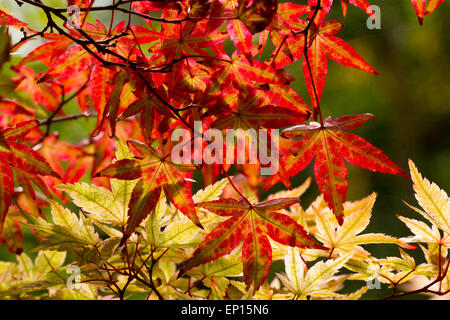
139,228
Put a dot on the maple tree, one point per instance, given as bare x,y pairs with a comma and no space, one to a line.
140,227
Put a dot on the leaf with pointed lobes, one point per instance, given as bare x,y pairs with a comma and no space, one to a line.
432,199
253,223
241,37
157,171
20,155
326,44
330,144
322,44
257,14
240,71
287,17
326,6
253,110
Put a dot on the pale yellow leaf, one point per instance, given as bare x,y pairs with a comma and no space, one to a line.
431,198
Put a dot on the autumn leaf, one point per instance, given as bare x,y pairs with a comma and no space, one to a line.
330,144
347,237
322,44
251,223
239,71
326,6
67,232
253,110
158,173
186,39
316,281
435,203
19,156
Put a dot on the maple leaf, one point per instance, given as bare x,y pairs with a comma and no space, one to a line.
151,109
102,79
156,171
326,6
287,17
13,112
239,71
346,238
104,206
317,281
253,110
186,39
251,223
19,156
322,43
214,274
162,231
67,232
436,204
330,144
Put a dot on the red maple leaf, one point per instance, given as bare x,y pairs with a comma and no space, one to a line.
240,71
20,156
322,43
253,109
326,6
330,144
252,223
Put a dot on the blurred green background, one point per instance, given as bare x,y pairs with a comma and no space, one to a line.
410,99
